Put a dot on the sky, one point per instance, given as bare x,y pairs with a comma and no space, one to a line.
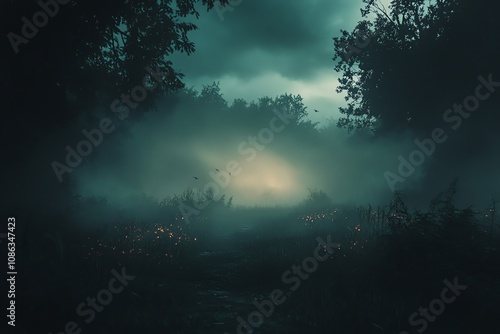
264,48
257,49
254,49
165,151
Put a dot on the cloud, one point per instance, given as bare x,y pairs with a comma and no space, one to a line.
265,48
270,47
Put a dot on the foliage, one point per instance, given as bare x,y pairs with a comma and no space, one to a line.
412,54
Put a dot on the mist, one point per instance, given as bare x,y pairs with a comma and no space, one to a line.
165,150
251,166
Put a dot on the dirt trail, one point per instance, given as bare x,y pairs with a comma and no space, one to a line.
221,299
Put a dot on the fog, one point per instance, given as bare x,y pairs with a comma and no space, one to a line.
264,167
166,149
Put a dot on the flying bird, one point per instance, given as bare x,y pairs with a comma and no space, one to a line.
195,177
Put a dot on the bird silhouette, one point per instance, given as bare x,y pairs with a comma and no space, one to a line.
315,110
195,177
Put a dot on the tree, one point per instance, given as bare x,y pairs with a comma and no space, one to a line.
404,68
211,95
287,104
89,50
67,71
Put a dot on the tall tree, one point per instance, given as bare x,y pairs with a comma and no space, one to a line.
64,58
404,68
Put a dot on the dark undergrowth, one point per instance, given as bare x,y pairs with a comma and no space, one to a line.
388,266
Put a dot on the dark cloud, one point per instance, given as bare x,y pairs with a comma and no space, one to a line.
271,47
265,48
295,34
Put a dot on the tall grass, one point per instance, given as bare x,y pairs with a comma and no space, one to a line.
389,261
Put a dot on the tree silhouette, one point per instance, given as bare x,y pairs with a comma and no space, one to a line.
69,71
91,49
404,68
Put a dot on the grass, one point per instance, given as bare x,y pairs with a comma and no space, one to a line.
390,262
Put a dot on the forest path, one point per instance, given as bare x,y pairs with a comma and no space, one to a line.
222,296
